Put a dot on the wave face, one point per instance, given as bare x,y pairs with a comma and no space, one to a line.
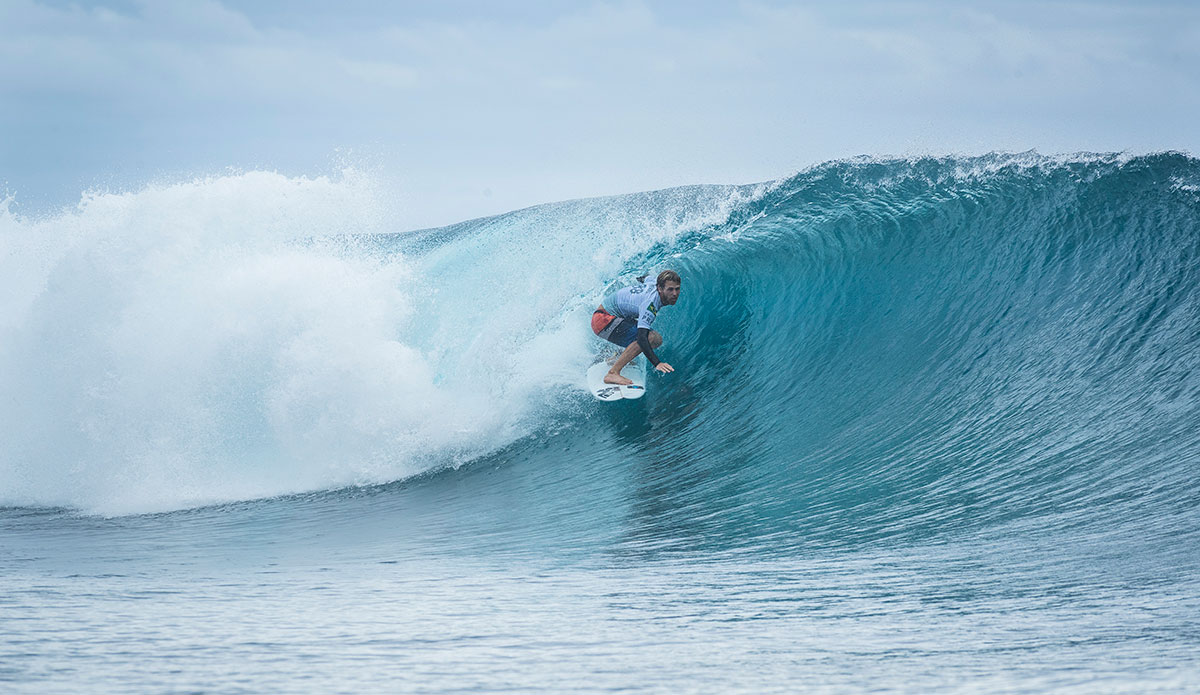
869,350
886,349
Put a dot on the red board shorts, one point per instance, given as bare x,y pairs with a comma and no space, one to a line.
619,332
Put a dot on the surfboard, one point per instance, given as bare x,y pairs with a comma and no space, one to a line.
635,371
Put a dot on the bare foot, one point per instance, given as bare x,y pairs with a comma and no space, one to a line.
611,378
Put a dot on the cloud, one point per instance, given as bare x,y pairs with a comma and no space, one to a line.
559,100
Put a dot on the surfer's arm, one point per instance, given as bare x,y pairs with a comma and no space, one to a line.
643,341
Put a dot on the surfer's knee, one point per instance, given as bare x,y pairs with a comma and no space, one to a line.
655,340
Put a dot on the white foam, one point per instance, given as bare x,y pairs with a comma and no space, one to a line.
222,339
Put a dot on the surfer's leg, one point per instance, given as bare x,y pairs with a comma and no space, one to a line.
614,374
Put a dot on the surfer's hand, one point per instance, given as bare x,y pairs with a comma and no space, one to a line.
664,367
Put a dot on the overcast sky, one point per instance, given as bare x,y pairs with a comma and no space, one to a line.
466,108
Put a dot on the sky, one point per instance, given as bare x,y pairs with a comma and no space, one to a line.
465,108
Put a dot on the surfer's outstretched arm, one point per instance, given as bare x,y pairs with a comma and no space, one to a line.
647,340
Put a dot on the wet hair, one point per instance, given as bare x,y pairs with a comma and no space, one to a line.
667,276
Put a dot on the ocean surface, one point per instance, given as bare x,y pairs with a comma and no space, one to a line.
933,429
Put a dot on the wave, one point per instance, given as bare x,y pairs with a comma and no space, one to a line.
868,348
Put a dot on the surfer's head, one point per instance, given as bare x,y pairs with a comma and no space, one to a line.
668,287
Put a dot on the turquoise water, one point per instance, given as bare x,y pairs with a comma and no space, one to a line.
931,430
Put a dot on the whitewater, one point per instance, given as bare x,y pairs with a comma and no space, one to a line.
932,429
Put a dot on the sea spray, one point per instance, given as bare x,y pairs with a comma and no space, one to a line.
251,335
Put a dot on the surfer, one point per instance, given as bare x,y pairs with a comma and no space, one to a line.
625,316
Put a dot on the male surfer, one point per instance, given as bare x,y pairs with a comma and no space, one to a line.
625,316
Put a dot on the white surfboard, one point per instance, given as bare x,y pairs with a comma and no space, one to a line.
635,371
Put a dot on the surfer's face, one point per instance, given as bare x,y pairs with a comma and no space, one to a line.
669,293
